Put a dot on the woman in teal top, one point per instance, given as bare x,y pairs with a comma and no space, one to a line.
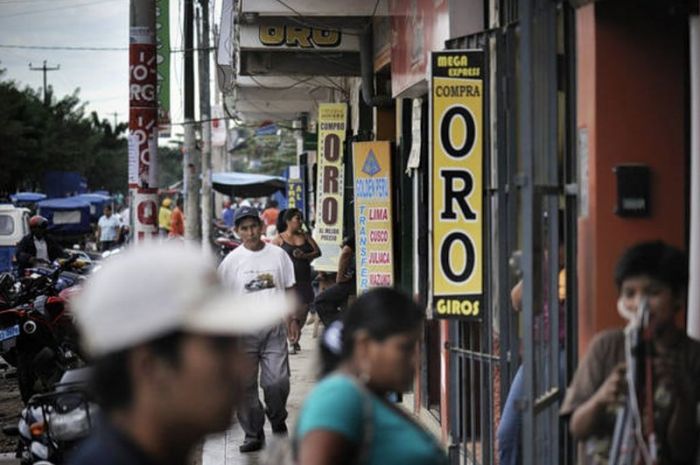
346,418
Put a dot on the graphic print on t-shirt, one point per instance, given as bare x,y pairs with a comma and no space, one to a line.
260,282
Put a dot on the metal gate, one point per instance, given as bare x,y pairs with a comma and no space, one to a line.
529,172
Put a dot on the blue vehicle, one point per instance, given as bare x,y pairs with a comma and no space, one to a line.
69,218
27,199
14,225
97,203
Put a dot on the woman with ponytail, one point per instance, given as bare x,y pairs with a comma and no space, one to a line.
367,354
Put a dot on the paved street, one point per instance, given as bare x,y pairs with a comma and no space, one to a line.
222,449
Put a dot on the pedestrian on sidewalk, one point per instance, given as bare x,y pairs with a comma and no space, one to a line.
177,220
108,229
164,215
368,353
302,249
329,302
262,272
167,357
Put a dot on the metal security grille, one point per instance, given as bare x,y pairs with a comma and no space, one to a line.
526,171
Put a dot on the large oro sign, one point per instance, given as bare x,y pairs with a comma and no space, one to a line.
332,124
457,87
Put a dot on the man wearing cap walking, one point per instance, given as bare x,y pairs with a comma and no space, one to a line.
168,363
262,272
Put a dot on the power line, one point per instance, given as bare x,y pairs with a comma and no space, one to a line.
68,48
67,7
92,49
45,69
4,2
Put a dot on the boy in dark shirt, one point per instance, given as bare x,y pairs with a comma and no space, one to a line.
658,273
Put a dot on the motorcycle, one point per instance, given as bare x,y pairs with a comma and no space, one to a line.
52,424
225,241
37,334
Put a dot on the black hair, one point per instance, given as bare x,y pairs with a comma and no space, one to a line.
382,312
655,259
179,201
111,381
272,204
291,213
281,223
349,241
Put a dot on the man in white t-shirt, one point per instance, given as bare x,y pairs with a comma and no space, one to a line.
108,229
263,271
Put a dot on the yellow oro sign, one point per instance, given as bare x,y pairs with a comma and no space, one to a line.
332,124
373,239
457,87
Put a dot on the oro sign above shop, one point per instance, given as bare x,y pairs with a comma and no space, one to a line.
457,87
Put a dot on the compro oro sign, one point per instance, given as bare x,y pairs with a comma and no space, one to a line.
373,233
332,124
457,87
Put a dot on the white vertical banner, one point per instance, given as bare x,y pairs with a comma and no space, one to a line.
332,125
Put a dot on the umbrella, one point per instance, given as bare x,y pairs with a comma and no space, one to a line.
236,184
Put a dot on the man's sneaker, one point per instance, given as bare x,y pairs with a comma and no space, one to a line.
251,445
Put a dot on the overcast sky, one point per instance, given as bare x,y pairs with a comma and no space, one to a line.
102,76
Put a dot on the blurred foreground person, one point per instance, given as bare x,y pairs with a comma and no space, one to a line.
167,359
347,418
652,279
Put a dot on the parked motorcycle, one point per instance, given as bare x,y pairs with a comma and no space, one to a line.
225,240
52,424
37,334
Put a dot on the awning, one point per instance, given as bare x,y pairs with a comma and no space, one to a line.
27,197
247,184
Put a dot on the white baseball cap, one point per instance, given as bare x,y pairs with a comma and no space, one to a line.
151,290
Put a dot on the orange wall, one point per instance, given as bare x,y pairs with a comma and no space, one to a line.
632,68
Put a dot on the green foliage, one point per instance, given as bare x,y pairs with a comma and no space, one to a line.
169,166
266,154
35,138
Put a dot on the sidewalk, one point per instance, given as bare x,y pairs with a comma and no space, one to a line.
222,449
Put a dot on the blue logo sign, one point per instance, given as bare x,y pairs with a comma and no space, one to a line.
371,166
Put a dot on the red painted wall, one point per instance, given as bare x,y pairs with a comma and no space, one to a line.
632,98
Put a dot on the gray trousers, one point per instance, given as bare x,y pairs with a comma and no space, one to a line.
267,350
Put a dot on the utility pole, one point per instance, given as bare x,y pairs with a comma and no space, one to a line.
143,117
190,177
114,115
45,69
205,118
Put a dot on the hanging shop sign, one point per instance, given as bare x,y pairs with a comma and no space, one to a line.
457,102
295,194
296,37
332,125
373,232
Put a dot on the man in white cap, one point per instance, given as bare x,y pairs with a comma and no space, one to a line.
262,272
168,367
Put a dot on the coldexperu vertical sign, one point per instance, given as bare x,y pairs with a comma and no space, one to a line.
373,232
457,88
332,124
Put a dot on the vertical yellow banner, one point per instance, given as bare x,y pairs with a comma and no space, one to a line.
374,243
332,125
457,88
